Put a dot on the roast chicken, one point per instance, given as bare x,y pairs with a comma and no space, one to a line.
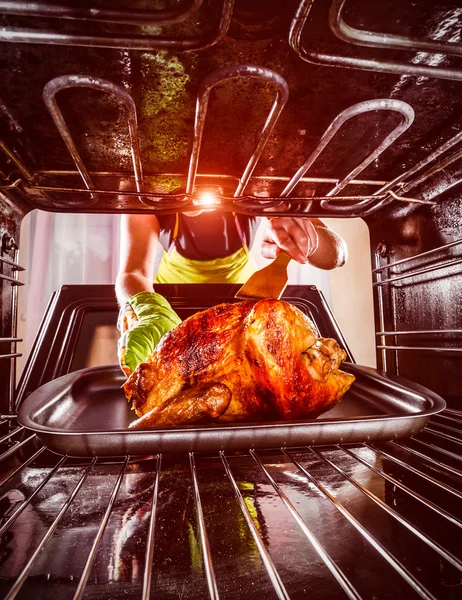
248,361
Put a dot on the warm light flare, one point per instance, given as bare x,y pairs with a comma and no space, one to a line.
207,198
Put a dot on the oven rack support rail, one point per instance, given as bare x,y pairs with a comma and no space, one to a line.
331,204
405,272
425,458
187,10
371,39
8,345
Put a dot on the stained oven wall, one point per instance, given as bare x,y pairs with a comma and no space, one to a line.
423,296
11,212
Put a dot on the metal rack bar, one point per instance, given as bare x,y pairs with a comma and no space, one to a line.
446,428
94,549
19,509
425,161
457,414
10,340
10,279
363,64
384,553
11,186
421,348
71,81
429,172
23,466
421,331
246,204
456,433
220,198
369,182
203,95
452,411
12,355
456,418
445,554
399,180
415,495
147,575
440,464
401,463
398,106
30,563
380,305
372,39
24,35
16,447
339,576
208,564
14,324
445,436
438,449
420,255
269,565
429,269
12,433
17,161
139,194
105,15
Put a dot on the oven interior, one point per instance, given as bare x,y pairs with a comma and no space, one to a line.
327,108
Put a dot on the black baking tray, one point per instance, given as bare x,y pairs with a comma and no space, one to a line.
85,413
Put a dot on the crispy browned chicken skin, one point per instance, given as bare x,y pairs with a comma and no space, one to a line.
248,361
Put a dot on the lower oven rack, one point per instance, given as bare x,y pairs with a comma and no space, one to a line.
358,521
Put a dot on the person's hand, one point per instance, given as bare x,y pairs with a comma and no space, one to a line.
143,321
296,236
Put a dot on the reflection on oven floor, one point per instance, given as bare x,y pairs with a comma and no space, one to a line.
335,478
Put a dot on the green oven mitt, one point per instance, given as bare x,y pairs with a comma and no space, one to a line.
143,321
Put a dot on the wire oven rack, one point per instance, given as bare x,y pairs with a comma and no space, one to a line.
345,483
331,204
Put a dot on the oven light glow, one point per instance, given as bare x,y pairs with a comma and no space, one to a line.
207,198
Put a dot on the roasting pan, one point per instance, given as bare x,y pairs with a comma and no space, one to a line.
85,413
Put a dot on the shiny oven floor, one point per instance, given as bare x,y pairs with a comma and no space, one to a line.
363,521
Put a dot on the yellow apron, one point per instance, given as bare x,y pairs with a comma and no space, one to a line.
236,268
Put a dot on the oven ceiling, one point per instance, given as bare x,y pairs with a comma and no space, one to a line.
164,86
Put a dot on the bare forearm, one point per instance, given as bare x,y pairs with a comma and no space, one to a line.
306,241
128,284
332,251
139,236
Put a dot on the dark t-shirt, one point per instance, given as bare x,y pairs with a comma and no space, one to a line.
209,235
